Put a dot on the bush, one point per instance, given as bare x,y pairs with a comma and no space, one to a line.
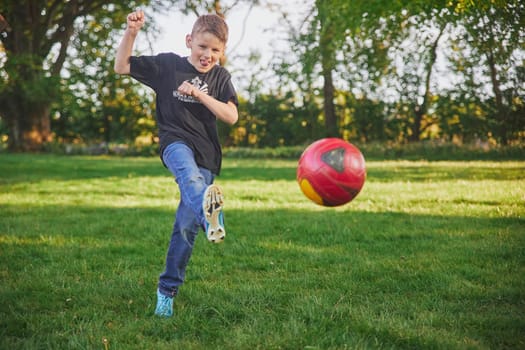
434,151
427,150
431,151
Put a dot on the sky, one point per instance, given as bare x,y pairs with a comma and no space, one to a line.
257,28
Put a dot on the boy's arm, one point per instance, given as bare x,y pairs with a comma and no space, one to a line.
226,112
135,21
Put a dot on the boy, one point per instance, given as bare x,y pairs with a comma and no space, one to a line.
191,94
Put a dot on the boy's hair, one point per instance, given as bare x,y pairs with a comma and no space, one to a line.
212,24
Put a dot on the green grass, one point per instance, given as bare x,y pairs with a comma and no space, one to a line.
430,255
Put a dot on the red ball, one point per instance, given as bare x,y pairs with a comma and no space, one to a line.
331,172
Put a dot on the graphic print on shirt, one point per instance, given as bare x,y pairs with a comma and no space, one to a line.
199,84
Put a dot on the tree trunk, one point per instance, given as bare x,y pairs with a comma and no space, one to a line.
327,52
25,105
421,110
28,132
500,110
330,118
31,30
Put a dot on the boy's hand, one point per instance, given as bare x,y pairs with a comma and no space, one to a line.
135,21
188,89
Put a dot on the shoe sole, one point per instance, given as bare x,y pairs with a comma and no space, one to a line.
212,207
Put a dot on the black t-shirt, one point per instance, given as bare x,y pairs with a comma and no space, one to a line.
183,118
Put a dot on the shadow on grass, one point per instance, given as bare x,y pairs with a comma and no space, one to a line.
16,168
445,171
19,168
319,279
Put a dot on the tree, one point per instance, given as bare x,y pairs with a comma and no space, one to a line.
95,103
36,46
494,40
329,39
415,50
318,47
354,41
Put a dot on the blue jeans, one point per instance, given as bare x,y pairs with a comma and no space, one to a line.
189,218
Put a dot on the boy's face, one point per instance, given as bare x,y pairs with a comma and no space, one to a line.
206,50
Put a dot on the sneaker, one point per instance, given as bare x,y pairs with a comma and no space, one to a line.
214,218
164,305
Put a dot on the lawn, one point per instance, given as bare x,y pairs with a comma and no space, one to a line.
430,255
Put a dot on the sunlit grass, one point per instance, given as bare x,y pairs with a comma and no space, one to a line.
429,255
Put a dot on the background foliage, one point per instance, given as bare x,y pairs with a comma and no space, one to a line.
375,71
